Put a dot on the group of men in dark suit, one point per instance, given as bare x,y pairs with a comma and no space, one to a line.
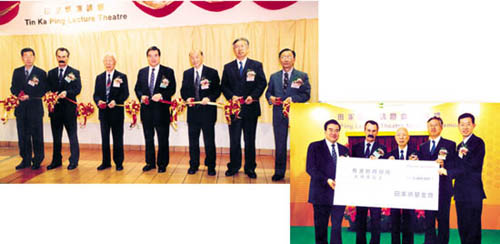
29,84
242,79
463,163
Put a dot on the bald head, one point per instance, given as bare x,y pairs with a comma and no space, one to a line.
109,60
402,137
196,58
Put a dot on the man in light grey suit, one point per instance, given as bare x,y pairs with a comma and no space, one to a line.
289,85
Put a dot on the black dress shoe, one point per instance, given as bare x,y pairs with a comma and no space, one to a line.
231,172
251,174
211,171
35,166
277,177
162,169
53,166
192,171
119,167
72,166
22,165
103,166
148,167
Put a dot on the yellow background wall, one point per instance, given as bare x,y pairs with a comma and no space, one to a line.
86,50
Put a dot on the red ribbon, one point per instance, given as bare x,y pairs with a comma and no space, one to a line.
82,109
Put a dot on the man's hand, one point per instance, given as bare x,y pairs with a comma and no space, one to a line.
144,99
413,157
331,183
392,158
442,171
101,104
156,97
289,99
62,95
205,100
273,100
190,101
440,162
249,100
372,157
24,97
112,104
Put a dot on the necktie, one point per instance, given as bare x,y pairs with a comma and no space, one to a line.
108,87
26,75
241,68
367,152
285,82
433,146
334,154
197,87
402,155
60,75
152,81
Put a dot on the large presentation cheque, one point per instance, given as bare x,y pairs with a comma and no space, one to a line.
387,183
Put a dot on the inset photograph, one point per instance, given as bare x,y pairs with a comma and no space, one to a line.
394,172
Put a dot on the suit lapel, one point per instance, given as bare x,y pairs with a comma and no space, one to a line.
203,73
66,72
374,146
328,153
293,76
159,79
115,75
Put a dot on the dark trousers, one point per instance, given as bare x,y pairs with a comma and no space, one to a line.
68,120
116,128
322,214
443,218
469,221
405,226
249,126
30,139
280,128
194,129
361,224
162,132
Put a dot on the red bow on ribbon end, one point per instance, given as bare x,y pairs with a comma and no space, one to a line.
84,110
132,108
9,104
50,98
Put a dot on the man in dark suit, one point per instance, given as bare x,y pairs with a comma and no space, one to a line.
468,188
29,85
290,85
368,149
155,83
201,83
402,152
443,152
243,78
321,165
111,89
65,80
